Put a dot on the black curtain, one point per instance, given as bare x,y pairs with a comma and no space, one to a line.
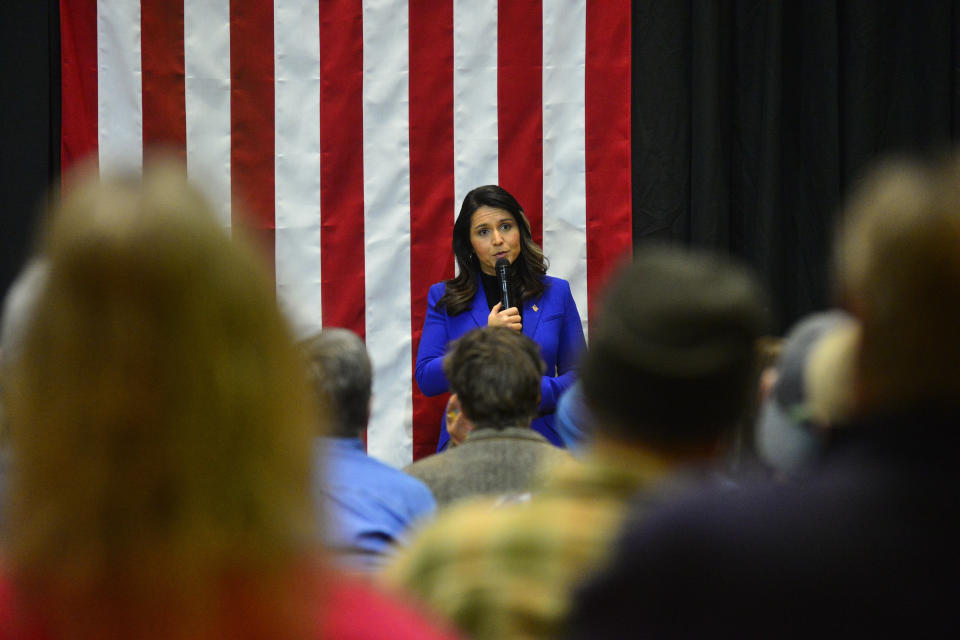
751,119
29,124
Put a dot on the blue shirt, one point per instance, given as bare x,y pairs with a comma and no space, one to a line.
574,422
367,505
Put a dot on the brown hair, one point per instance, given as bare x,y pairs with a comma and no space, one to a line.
161,425
495,372
898,260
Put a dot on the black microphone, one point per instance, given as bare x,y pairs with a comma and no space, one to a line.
502,266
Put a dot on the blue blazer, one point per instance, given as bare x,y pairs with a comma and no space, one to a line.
554,325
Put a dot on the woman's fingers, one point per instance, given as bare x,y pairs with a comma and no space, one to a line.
493,318
506,318
512,318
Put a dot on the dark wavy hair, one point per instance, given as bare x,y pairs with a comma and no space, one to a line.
528,269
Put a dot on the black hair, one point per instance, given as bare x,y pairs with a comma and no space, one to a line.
527,270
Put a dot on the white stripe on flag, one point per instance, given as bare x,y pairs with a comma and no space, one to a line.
564,145
386,188
206,59
475,137
119,92
386,192
297,161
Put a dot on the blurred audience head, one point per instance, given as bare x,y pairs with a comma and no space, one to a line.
342,376
671,360
160,423
495,373
14,320
829,375
899,273
18,308
812,390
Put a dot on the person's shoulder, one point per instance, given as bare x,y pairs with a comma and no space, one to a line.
553,286
398,479
439,542
431,465
435,293
357,610
475,522
409,485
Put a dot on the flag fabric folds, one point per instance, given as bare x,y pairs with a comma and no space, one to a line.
350,130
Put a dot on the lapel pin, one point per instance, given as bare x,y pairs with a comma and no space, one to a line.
535,308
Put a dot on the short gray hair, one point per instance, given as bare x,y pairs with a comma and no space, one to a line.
342,376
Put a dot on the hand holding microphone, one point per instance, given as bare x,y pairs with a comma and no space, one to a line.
504,313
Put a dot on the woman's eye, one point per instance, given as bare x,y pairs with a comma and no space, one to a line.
506,226
482,232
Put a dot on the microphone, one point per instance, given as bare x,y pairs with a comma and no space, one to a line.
502,266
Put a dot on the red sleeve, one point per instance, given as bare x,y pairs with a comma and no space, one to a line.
6,608
12,626
357,611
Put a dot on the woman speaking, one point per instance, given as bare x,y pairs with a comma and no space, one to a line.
491,226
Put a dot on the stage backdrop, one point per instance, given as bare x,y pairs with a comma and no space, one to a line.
345,134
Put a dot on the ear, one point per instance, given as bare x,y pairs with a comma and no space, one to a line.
454,411
458,426
454,402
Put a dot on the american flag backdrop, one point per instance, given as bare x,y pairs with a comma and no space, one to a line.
352,129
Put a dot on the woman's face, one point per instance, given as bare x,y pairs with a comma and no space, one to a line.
494,234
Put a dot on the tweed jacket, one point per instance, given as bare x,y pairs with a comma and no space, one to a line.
489,462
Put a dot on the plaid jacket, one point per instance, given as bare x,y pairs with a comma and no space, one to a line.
506,569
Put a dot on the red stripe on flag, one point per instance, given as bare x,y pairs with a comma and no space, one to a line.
341,164
520,105
78,80
432,196
252,119
161,56
609,208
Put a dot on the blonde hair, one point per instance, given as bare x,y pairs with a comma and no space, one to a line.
160,421
829,375
899,269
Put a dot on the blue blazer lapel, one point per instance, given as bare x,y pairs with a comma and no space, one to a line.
531,318
479,309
